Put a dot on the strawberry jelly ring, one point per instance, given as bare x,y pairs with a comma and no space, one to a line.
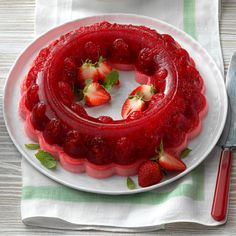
121,142
118,127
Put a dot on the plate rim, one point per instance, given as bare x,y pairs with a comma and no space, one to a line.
98,16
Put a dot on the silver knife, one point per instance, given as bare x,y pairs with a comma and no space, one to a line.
228,143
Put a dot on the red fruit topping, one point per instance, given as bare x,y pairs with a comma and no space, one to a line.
145,62
95,95
92,51
161,74
31,78
170,162
53,132
65,92
78,109
70,68
105,119
73,144
123,151
135,115
32,97
145,91
149,173
120,52
132,104
38,117
98,151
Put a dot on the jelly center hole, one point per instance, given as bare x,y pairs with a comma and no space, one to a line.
119,93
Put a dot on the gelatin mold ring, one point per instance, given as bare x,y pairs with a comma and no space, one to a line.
212,124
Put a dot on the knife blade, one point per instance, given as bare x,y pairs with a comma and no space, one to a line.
228,143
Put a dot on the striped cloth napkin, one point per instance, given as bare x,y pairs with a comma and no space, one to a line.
46,203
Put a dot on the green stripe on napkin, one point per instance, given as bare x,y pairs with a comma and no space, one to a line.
189,17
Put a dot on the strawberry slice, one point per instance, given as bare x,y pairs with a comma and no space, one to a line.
144,90
133,103
103,69
87,71
169,162
97,72
149,173
95,95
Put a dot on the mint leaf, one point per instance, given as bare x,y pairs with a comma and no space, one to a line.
32,146
111,79
130,183
185,152
46,159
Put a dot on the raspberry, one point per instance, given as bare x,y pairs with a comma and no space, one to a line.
32,97
98,151
53,132
120,52
78,109
92,51
105,119
73,144
123,151
65,93
38,117
70,69
135,115
145,62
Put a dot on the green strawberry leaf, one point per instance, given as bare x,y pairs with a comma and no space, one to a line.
111,79
46,159
185,152
130,183
32,146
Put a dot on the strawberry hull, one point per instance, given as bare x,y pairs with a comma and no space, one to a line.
95,145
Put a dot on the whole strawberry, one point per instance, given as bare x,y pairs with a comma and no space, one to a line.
149,173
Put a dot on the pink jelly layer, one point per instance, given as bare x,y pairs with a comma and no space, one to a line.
83,165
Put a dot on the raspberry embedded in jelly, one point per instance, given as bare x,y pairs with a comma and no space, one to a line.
105,119
65,92
98,151
79,109
38,116
74,145
53,133
32,97
92,51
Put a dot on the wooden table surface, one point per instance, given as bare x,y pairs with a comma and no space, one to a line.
16,31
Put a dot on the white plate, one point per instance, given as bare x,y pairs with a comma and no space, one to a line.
212,125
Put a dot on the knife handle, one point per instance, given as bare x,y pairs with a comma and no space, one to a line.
220,201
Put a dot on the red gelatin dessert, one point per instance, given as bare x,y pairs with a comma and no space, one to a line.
103,146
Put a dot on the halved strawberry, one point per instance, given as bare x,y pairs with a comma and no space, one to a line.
87,71
97,72
149,173
144,90
169,162
103,69
95,95
133,103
